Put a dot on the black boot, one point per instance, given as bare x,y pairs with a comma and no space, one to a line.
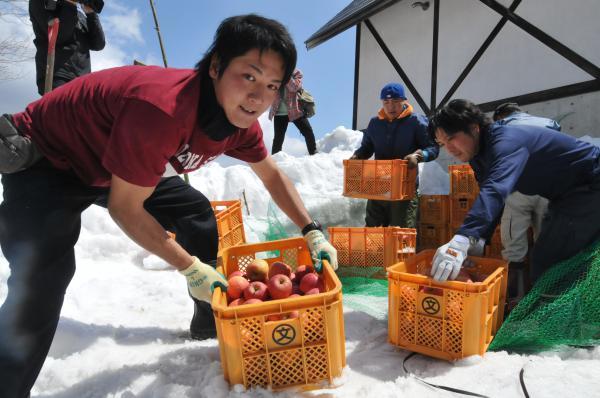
203,326
517,284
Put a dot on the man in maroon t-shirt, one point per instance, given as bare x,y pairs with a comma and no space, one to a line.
110,138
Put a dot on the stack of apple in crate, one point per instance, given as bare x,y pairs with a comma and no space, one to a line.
264,282
447,320
280,324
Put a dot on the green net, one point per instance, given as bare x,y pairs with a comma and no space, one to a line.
563,308
362,292
275,229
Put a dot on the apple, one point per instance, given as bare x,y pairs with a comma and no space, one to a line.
296,290
257,270
253,301
314,290
463,276
302,270
280,286
236,302
236,286
278,268
294,295
235,273
321,284
290,315
309,281
273,317
255,290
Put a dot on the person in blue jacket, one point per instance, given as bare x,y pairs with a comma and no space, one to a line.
521,212
530,159
395,133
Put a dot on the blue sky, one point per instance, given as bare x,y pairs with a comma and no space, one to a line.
328,69
187,28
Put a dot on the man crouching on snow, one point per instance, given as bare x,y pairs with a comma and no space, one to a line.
109,138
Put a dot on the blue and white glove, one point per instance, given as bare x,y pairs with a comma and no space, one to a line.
449,258
320,248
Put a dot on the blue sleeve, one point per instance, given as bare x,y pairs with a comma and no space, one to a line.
430,149
366,149
509,157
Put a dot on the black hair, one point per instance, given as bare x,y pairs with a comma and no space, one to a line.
505,109
458,115
233,38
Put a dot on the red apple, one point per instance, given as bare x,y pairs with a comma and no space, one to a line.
237,285
280,286
302,270
257,290
273,317
235,273
253,301
279,268
296,290
236,302
321,284
309,281
294,295
257,270
290,315
314,290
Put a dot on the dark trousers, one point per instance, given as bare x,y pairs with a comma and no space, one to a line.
386,213
40,222
571,224
280,126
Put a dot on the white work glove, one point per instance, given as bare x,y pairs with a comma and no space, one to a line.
448,259
320,248
202,279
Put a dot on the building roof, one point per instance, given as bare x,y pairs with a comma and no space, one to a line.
353,14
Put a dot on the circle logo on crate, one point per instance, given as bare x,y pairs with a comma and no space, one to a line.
284,334
430,305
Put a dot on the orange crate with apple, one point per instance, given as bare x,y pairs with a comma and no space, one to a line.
292,340
229,222
448,320
379,179
372,246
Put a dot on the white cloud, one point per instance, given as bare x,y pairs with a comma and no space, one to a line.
123,25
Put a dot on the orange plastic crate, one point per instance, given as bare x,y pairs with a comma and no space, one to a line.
432,236
434,209
459,207
462,180
229,222
307,351
372,246
447,320
379,179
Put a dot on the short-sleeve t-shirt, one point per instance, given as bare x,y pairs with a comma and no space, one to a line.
130,121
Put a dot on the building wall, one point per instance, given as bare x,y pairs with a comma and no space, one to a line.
514,64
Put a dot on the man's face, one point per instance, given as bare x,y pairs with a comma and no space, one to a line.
393,107
461,145
248,86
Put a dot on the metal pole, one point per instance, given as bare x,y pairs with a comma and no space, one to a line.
164,55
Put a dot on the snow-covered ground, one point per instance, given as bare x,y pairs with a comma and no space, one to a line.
124,325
